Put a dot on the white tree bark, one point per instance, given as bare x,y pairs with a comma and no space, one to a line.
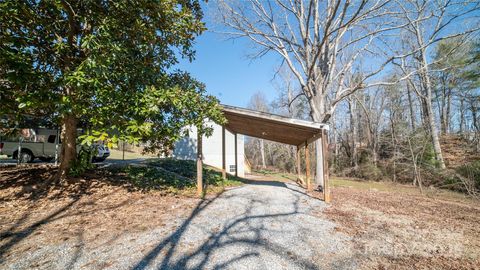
262,153
426,22
324,42
321,42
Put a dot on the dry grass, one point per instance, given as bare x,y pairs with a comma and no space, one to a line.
118,154
101,202
35,211
392,226
397,227
429,192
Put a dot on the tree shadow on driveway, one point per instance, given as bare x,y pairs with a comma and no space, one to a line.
247,228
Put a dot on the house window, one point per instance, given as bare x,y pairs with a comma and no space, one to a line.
232,168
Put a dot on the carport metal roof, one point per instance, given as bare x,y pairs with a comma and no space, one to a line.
271,126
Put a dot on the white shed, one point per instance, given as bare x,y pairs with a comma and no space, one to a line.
186,148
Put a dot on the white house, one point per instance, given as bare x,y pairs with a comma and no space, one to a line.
186,148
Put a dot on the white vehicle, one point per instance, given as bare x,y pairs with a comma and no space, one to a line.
102,152
41,144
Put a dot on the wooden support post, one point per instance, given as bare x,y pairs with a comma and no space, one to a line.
224,159
326,184
307,168
236,156
199,164
298,165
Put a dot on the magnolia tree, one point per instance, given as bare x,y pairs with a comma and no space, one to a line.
104,66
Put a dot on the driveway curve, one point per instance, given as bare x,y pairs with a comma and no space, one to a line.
261,225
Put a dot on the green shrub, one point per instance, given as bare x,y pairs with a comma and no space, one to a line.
471,171
188,169
364,156
152,178
369,171
83,161
428,157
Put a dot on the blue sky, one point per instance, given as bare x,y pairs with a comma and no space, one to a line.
226,70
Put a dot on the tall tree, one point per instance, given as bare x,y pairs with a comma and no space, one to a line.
321,42
426,24
105,66
471,85
259,102
451,57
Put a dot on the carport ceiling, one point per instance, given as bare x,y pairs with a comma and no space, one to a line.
269,126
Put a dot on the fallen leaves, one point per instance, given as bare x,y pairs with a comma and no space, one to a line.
394,230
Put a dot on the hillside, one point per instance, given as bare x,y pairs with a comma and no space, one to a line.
458,151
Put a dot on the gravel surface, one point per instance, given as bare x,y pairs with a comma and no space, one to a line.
261,225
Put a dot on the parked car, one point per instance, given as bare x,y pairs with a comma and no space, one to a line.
42,144
102,152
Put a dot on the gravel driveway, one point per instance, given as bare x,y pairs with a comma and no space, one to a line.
261,225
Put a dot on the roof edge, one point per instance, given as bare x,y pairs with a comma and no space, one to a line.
275,117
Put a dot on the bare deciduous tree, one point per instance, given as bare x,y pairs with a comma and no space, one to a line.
321,42
259,102
427,23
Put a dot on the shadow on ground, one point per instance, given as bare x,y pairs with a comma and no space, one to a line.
248,229
242,234
34,189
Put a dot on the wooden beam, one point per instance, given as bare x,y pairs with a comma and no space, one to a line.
298,165
311,139
268,117
286,131
259,130
224,159
236,156
326,184
200,192
307,168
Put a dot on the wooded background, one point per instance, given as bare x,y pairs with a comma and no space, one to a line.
398,82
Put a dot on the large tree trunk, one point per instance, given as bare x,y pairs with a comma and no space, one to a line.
317,111
354,133
434,135
69,146
262,153
425,76
462,116
410,106
424,111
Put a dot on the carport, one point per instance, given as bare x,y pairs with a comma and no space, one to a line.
277,128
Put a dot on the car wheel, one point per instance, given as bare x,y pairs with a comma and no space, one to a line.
26,157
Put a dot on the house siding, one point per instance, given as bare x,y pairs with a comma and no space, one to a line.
186,148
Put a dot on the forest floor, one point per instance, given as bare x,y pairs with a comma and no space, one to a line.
102,221
397,226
